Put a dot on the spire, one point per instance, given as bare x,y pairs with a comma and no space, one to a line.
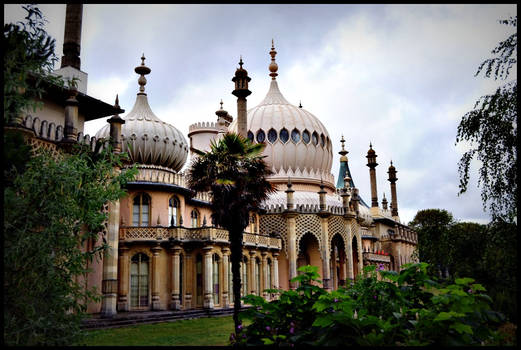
300,104
142,70
273,65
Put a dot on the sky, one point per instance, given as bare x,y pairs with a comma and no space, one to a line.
398,76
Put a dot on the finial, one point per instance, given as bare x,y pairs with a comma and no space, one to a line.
391,162
343,151
273,65
221,103
116,104
142,70
240,62
300,104
370,144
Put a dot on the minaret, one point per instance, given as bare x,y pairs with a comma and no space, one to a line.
394,203
115,128
72,36
241,80
371,163
223,120
71,62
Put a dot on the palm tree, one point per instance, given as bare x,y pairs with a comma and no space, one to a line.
235,173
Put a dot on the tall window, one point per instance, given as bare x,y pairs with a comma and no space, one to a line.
141,210
173,211
139,281
199,279
216,276
194,216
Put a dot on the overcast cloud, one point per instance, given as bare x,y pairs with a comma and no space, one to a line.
399,76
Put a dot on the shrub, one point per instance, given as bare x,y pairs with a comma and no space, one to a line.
405,308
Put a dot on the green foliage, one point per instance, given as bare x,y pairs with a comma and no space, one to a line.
51,210
487,252
28,53
407,308
491,129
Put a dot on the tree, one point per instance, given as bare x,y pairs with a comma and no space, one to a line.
235,173
28,53
491,128
433,228
52,205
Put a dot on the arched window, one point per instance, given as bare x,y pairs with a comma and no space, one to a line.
272,135
139,281
250,136
141,210
257,277
194,216
216,277
261,136
322,140
284,135
306,137
295,135
173,211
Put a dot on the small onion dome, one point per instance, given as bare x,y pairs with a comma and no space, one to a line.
371,151
241,72
146,138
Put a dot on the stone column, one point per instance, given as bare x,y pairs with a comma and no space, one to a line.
109,284
360,255
156,305
72,36
207,277
71,117
292,246
226,277
325,252
349,252
189,268
123,278
264,275
394,201
275,270
251,271
175,302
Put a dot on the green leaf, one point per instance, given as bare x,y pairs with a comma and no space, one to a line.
461,328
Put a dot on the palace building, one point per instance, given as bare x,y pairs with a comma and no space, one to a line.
165,251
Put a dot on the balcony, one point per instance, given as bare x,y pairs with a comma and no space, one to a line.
200,234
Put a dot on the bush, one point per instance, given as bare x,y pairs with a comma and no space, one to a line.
405,308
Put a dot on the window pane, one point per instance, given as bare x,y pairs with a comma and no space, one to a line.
250,136
284,135
272,136
315,139
261,136
305,137
295,135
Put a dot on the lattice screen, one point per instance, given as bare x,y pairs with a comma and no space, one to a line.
269,224
336,224
308,223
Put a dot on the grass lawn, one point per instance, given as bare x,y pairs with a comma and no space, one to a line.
201,331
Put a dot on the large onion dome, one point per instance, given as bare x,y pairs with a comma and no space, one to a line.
145,137
297,143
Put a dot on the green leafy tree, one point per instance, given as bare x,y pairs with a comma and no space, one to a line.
52,205
235,173
29,59
491,129
433,228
